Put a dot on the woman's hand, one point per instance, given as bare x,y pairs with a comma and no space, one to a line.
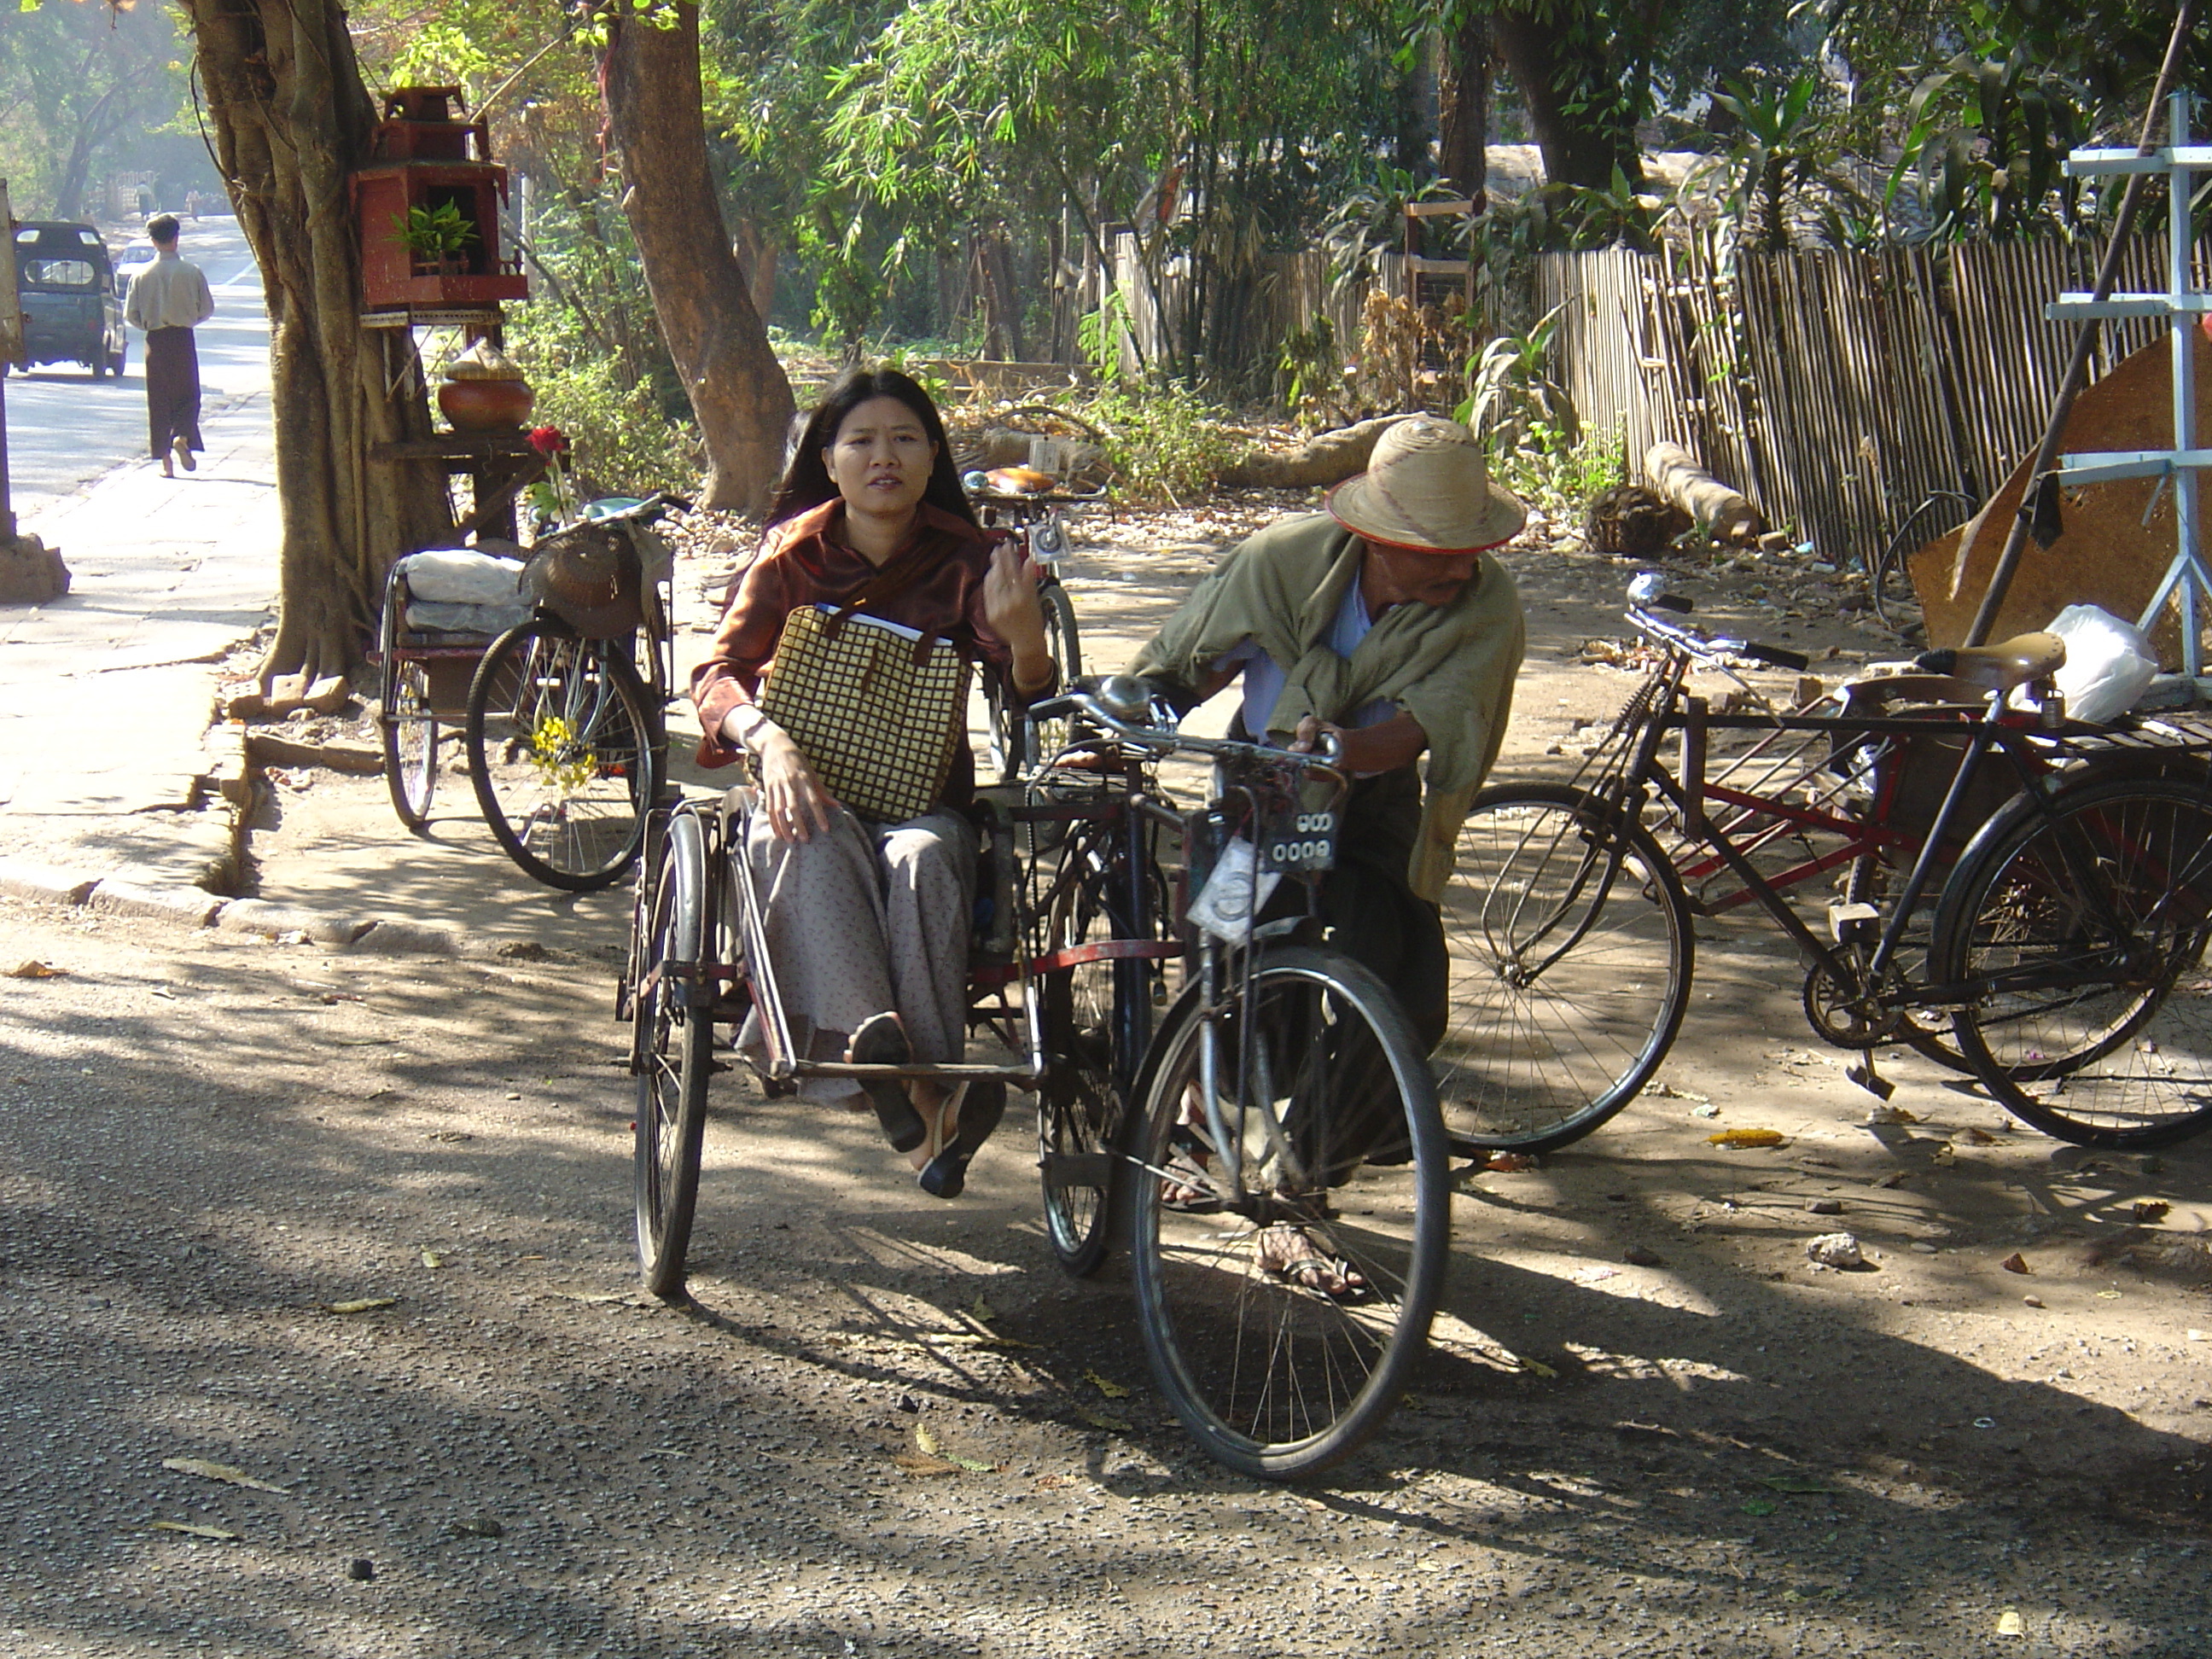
797,804
1010,606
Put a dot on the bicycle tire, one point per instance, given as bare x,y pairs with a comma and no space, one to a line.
672,1046
2090,924
1017,744
565,753
1541,1052
408,727
1097,1020
1909,535
1272,1379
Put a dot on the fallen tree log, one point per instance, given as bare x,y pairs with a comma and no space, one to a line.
1725,513
1328,458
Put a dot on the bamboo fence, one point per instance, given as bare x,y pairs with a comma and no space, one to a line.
1837,389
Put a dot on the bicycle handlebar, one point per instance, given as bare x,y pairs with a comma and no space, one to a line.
1706,648
1087,702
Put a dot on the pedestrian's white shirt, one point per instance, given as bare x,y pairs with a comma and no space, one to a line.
168,294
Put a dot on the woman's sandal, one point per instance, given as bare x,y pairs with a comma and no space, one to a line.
1186,1188
1290,1253
881,1041
979,1107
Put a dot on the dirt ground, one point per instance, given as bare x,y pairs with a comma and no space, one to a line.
1650,1426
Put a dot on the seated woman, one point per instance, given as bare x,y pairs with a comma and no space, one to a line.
867,923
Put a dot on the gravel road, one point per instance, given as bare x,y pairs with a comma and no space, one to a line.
888,1426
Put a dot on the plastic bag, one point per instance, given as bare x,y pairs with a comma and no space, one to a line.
2108,664
461,575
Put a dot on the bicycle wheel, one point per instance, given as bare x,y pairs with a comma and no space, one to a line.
1016,743
2088,929
562,750
1097,1019
1338,1138
670,1043
1571,955
409,727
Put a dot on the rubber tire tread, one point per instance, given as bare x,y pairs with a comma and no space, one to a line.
1161,1108
665,1216
1132,1021
1985,859
1628,1083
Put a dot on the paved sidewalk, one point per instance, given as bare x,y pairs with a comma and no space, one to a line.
106,694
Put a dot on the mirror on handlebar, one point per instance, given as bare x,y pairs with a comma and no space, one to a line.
1648,590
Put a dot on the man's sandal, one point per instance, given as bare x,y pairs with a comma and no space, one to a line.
1289,1253
881,1041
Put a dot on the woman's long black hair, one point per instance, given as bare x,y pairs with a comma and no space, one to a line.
806,482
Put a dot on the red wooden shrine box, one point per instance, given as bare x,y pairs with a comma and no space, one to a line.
423,159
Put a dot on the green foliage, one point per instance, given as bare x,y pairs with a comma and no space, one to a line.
1547,468
911,361
434,233
1789,152
628,442
85,89
1098,338
1165,443
1986,136
1513,395
1310,375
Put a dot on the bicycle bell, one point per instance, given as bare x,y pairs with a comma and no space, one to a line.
1125,698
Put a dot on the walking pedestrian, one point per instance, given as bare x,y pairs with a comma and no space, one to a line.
169,299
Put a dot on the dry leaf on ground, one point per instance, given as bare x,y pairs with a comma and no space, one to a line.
916,1463
192,1530
34,969
223,1472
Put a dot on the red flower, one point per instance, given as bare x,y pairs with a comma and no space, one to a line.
548,440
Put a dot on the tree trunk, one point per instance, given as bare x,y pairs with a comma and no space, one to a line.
755,251
1463,108
1564,81
739,391
291,118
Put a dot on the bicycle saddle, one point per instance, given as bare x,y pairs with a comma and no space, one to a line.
1998,667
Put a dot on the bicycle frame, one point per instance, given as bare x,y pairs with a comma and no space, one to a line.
1225,985
1663,708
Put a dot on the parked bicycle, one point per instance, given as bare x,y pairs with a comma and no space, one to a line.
2024,898
566,738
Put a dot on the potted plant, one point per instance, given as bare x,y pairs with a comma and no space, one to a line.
435,236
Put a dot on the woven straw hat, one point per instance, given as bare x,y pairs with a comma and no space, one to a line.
1427,487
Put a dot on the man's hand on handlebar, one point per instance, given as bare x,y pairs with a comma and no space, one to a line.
1396,742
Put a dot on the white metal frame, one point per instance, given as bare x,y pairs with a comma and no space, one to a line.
2186,581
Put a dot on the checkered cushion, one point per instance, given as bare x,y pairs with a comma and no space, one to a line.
878,727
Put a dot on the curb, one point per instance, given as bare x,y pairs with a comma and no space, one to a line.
195,908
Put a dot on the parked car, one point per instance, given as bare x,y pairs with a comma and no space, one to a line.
72,311
128,264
